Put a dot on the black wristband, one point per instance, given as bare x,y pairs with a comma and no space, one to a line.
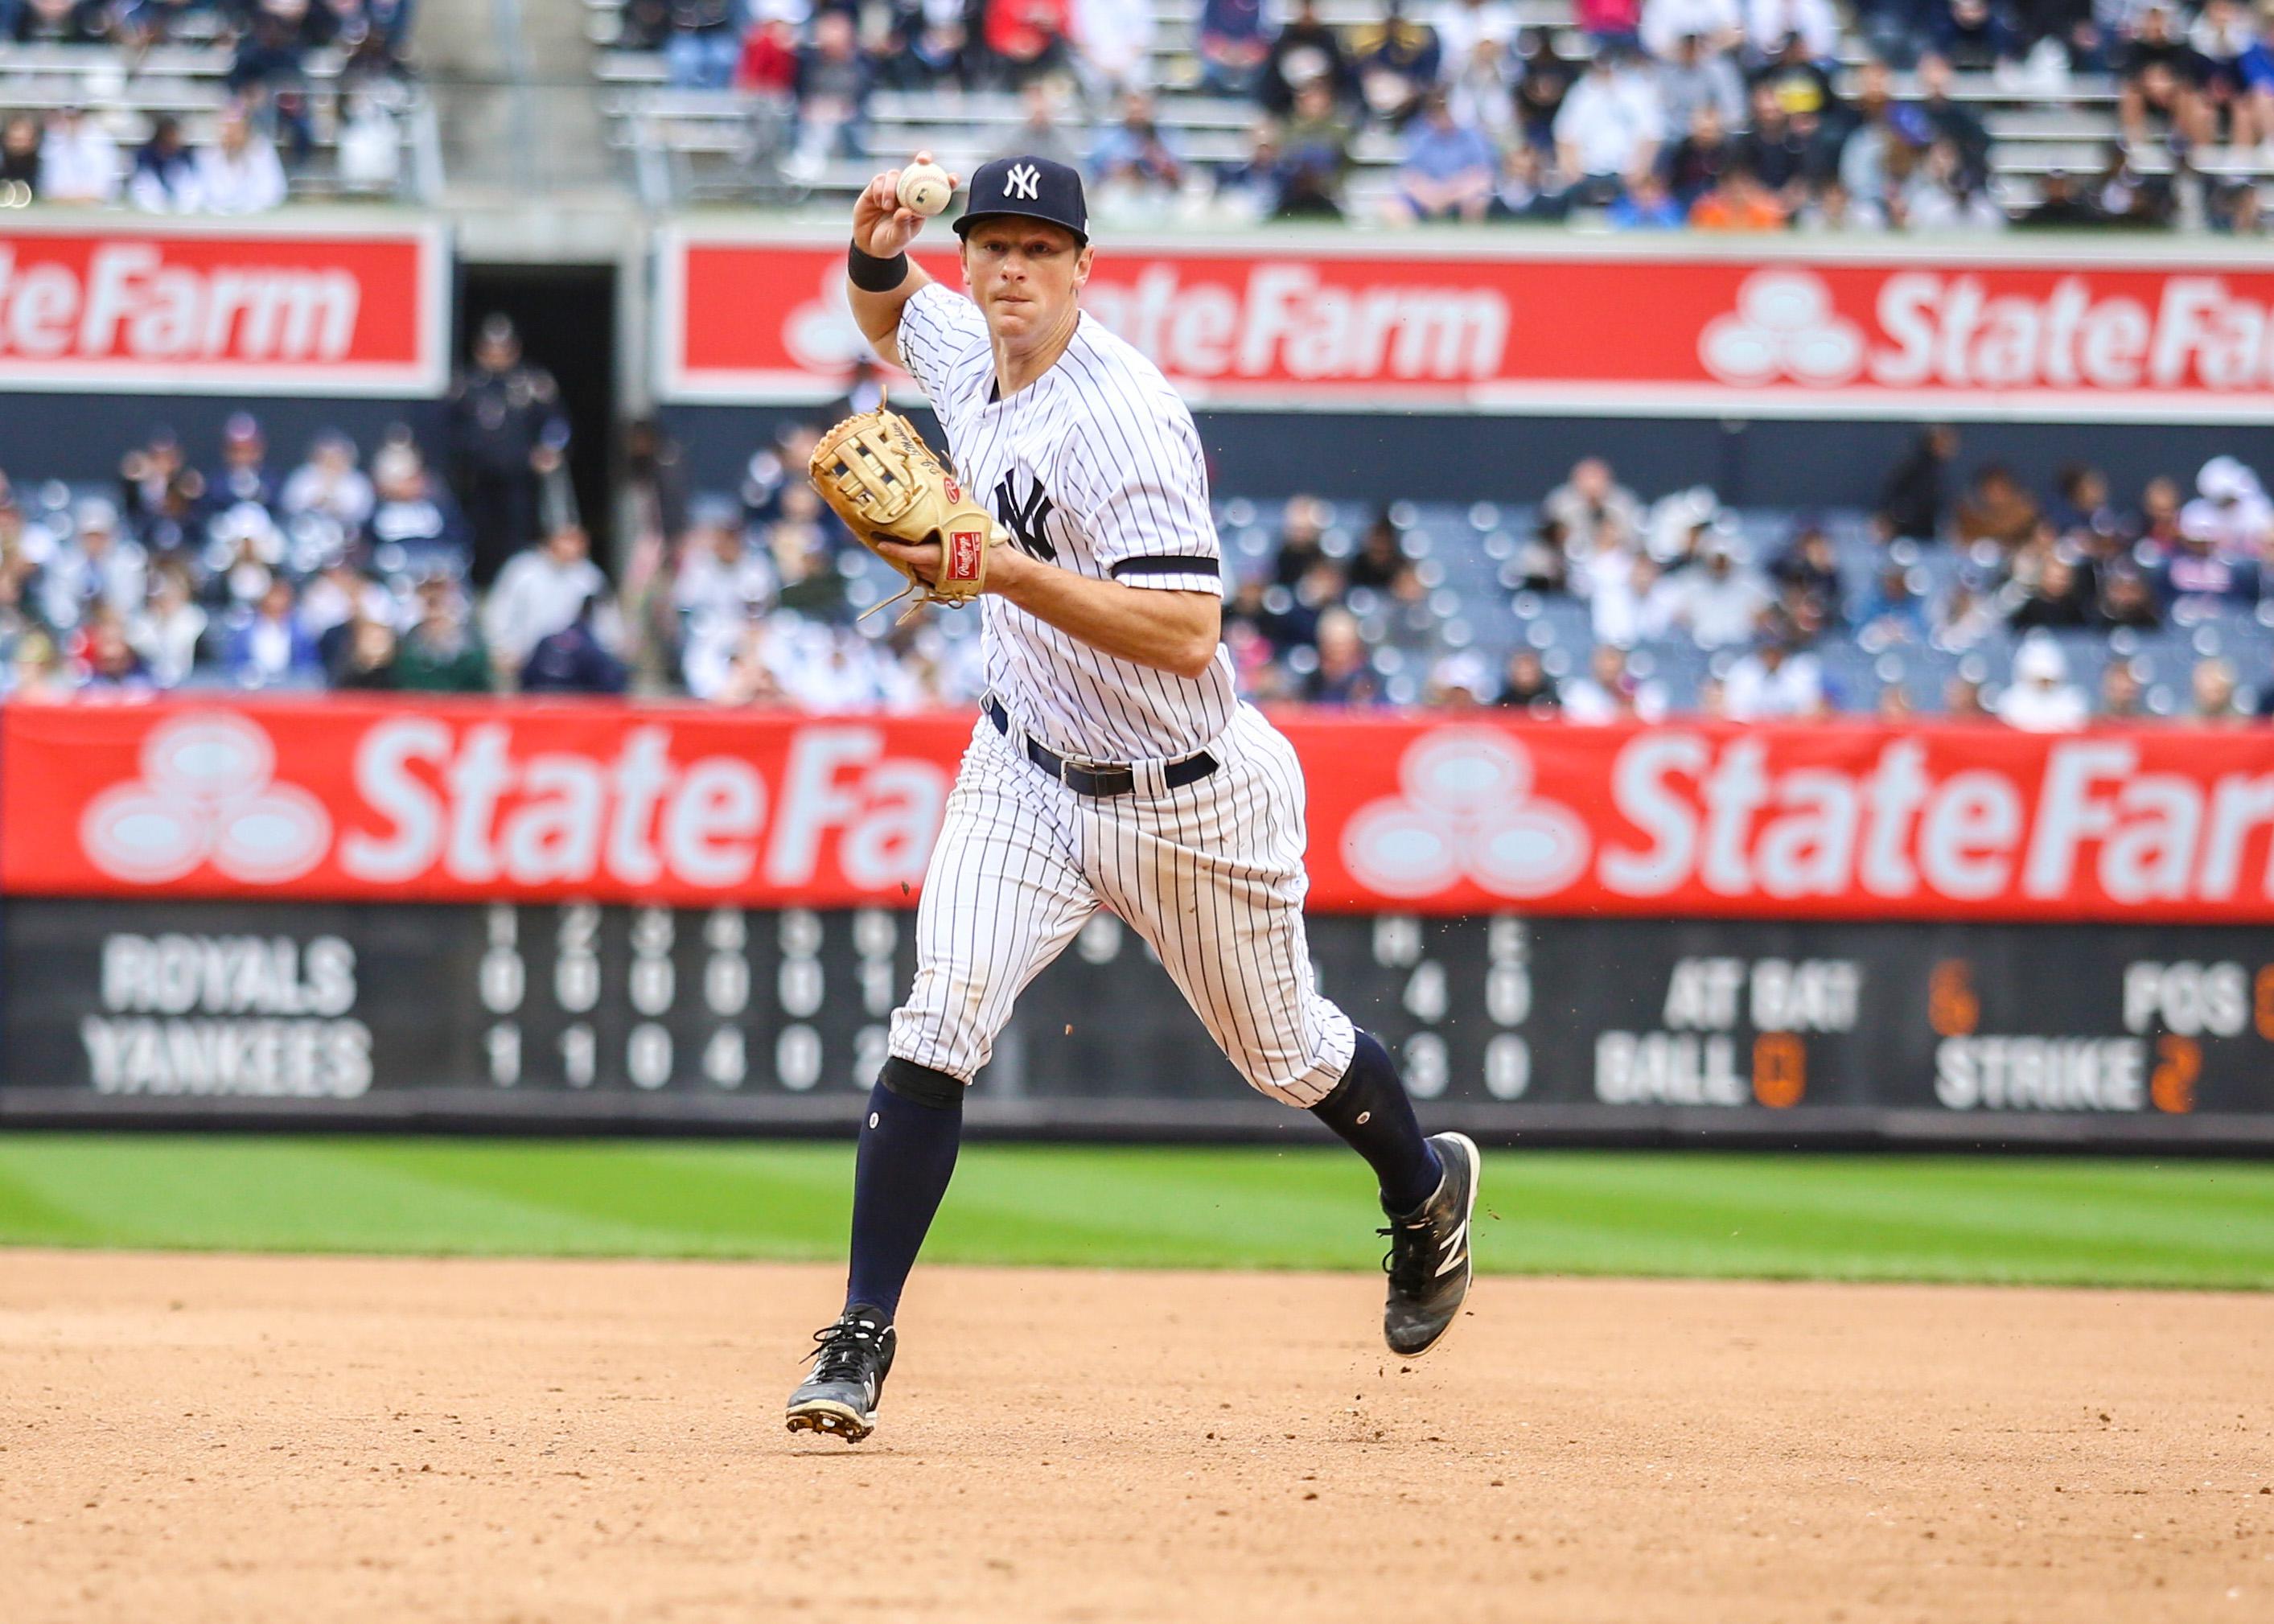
871,275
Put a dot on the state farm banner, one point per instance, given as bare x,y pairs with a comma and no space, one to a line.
1303,321
347,800
137,306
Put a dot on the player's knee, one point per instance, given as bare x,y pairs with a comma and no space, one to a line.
922,1084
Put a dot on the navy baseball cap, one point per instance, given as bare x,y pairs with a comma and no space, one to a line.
1037,188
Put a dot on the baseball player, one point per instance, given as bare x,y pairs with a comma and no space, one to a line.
1112,764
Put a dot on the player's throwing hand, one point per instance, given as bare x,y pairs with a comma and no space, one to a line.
883,226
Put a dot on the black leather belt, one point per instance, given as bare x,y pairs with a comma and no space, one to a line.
1099,779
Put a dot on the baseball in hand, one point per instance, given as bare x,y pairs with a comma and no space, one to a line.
925,188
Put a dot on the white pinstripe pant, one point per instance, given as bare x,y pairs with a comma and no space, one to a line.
1209,875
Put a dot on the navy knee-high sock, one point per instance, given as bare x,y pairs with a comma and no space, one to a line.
1369,1110
907,1155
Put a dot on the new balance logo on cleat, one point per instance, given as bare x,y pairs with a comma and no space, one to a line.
1457,1252
1429,1260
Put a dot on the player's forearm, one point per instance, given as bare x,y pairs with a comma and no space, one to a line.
878,314
1172,631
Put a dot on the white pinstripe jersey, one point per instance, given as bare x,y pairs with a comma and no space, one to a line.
1096,467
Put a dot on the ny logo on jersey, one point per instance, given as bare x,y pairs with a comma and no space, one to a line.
1025,519
1022,181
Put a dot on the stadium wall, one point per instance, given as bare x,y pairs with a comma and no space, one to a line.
662,918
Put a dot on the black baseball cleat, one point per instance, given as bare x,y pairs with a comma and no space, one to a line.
1429,1258
851,1360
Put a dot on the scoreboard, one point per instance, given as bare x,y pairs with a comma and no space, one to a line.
775,1018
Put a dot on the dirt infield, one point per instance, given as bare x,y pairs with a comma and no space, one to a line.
253,1439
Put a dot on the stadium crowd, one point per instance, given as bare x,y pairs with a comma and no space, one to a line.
266,132
1720,115
359,572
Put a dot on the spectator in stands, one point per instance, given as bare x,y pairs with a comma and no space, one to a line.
330,484
167,630
339,595
1616,23
2156,524
573,659
1693,75
244,550
2123,698
2041,699
1770,23
1809,570
1781,149
1544,79
365,661
508,435
703,45
1232,45
1610,692
2214,694
240,173
1447,171
1915,493
2060,597
108,662
1531,187
2255,69
1526,685
1948,119
1998,508
1137,170
2127,598
1646,206
1342,675
798,544
20,159
267,645
1610,125
833,94
243,473
1396,61
62,22
1379,564
2230,509
1459,681
2059,208
540,590
1027,38
441,653
1939,197
1891,611
1974,36
413,520
1710,27
2195,575
368,145
38,673
1738,202
1775,680
78,161
1113,42
96,566
1593,509
1306,52
1040,134
1314,157
2162,79
1702,157
768,62
1720,605
165,178
720,578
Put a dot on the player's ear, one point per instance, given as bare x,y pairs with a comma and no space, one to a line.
1081,265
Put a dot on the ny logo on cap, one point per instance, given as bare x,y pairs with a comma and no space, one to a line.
1022,181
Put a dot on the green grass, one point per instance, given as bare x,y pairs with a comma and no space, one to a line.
2074,1222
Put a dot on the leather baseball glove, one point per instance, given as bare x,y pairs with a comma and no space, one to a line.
875,469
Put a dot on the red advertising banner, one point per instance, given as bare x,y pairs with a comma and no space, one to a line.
142,307
338,799
1304,321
